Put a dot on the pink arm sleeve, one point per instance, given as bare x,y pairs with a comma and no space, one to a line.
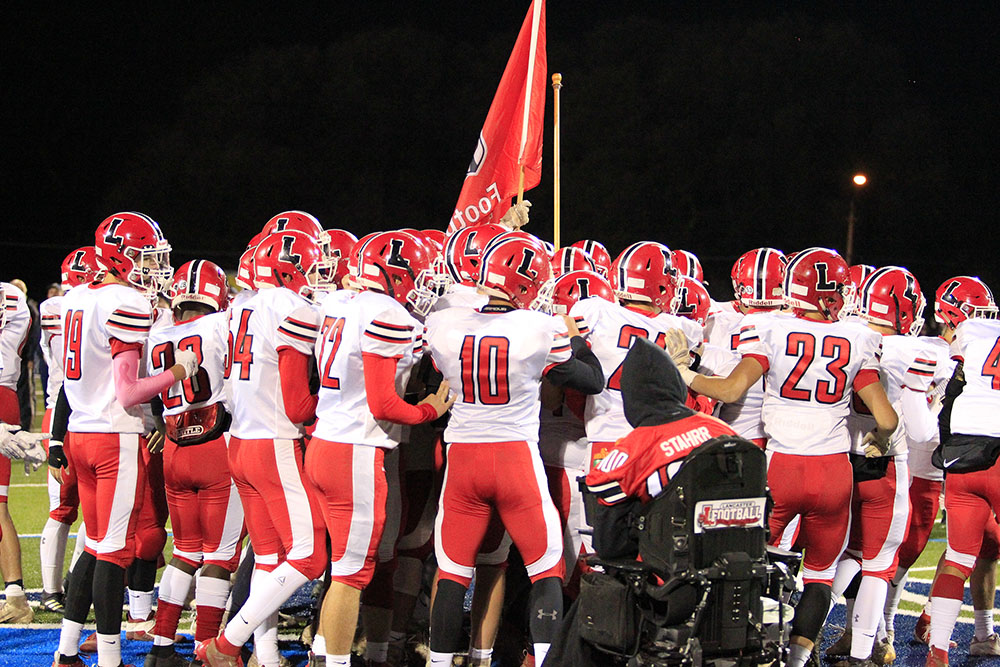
130,389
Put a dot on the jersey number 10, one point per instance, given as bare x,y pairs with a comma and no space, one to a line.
485,367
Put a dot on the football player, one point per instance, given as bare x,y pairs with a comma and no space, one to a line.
272,335
495,357
12,339
205,509
643,281
367,346
79,268
105,325
891,303
970,443
811,363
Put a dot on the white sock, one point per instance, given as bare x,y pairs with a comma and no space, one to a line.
377,651
984,623
541,650
140,604
319,645
81,542
267,594
798,655
339,660
13,591
896,590
867,611
265,642
436,659
69,637
482,653
109,650
52,551
846,571
944,614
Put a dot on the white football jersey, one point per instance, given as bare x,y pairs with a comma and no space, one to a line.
977,409
562,439
241,297
810,369
494,362
272,319
899,355
51,343
92,316
462,296
369,323
208,337
610,330
13,336
722,328
743,414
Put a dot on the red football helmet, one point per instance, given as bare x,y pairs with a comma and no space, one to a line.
686,263
598,253
818,279
643,273
691,300
437,237
891,297
340,242
307,224
290,259
200,281
571,259
79,267
244,274
576,285
464,250
350,281
543,247
516,270
860,272
402,266
757,278
131,247
961,298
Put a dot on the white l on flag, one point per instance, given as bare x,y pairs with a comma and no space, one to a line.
512,134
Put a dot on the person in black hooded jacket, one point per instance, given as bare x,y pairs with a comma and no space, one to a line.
636,470
641,463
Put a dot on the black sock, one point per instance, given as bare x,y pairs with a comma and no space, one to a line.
142,575
16,582
546,608
852,588
109,593
811,611
79,594
446,616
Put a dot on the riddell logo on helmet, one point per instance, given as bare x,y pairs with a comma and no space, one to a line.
735,513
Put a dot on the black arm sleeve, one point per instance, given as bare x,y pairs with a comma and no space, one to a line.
60,417
156,406
581,372
954,389
613,536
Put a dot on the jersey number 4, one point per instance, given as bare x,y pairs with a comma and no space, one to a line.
484,370
803,346
991,368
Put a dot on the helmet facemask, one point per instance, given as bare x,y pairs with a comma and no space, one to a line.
151,271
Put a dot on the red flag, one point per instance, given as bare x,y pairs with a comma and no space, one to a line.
512,134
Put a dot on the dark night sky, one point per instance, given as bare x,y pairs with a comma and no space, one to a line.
99,99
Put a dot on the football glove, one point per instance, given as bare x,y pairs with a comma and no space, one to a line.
187,359
876,443
57,458
516,216
18,444
677,347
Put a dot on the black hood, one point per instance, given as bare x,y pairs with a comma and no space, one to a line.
653,391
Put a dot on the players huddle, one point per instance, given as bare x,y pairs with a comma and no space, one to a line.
312,410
